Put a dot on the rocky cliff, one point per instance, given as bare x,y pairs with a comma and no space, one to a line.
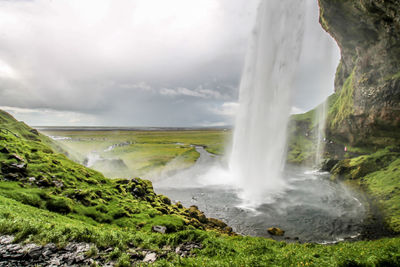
366,108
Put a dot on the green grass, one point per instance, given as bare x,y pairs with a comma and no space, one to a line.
384,186
31,224
379,175
92,208
150,152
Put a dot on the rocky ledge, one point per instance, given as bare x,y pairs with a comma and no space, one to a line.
78,254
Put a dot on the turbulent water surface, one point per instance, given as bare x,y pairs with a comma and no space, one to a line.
311,208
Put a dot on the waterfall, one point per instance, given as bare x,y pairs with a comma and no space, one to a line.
320,118
259,140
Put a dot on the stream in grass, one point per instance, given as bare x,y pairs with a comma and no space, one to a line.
311,208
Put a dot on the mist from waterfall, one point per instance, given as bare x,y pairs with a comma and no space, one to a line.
259,141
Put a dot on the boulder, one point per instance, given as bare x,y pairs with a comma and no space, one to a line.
328,164
276,231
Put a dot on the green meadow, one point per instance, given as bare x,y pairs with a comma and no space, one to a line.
143,153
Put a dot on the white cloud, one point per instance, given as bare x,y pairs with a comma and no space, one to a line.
199,92
296,110
226,109
49,117
6,71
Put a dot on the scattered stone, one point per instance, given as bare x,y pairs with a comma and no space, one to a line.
75,254
5,240
17,157
34,131
159,229
150,257
185,249
58,184
276,231
33,250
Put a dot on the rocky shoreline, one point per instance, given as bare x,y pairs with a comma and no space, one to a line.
78,254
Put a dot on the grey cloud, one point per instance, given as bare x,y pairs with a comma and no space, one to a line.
140,62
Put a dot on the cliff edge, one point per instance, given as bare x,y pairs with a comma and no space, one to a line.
366,107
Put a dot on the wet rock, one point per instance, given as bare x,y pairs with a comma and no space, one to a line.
217,223
328,164
194,212
159,229
276,231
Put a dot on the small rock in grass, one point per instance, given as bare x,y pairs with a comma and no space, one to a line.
150,257
15,156
159,229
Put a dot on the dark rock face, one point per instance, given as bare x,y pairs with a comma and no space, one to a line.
368,34
328,164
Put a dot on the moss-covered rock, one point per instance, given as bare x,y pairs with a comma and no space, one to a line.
379,175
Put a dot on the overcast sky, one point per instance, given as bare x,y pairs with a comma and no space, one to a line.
140,62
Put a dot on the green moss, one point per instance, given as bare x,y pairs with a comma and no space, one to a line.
343,105
396,76
384,186
379,174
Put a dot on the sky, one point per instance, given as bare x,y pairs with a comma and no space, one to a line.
141,62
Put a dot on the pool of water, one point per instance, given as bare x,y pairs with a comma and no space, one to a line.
312,208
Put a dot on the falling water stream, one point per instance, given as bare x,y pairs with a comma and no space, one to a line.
255,190
259,139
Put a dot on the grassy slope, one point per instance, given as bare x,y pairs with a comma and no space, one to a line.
379,174
92,208
302,133
300,144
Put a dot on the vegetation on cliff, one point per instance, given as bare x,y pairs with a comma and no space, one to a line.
367,84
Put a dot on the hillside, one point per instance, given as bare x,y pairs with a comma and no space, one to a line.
45,198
